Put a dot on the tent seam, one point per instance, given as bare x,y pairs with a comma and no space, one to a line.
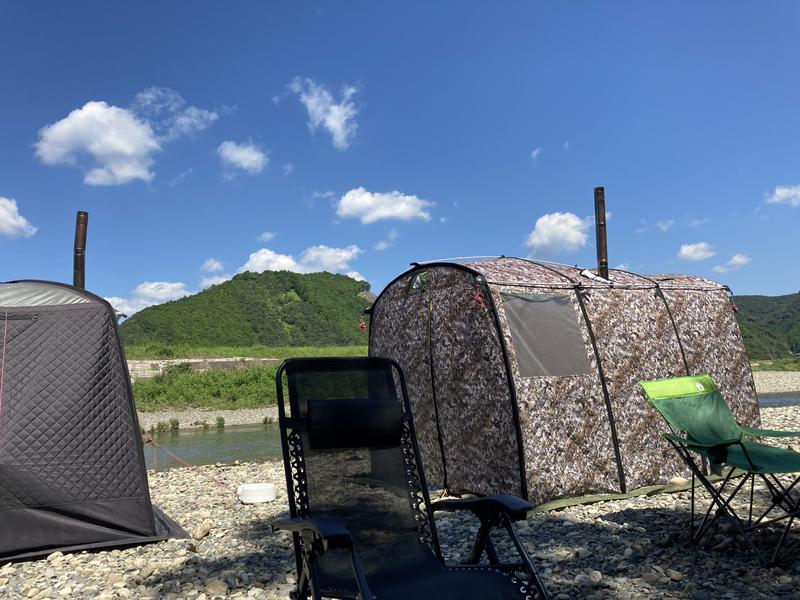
606,395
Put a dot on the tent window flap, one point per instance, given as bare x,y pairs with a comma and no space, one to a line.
546,335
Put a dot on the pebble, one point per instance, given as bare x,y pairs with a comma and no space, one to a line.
622,550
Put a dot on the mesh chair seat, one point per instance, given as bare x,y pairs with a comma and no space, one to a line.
353,469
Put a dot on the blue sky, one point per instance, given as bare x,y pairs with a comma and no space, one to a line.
206,138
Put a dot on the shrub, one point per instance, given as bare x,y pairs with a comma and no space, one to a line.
219,390
220,422
174,424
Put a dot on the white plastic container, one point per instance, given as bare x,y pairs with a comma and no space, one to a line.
253,493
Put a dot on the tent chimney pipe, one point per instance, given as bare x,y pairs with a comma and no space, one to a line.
79,260
600,231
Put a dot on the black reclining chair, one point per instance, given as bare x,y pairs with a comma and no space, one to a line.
361,518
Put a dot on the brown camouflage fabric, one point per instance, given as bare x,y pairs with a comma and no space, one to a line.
564,423
473,398
445,338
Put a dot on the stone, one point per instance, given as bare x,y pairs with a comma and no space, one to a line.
678,481
202,530
148,570
216,587
674,575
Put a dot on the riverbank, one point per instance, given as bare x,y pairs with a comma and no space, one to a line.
777,382
194,418
622,549
767,382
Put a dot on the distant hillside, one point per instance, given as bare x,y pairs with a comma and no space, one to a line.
770,325
273,308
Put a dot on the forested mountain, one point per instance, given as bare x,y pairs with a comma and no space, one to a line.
280,308
273,308
770,324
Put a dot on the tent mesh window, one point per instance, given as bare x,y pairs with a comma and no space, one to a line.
546,335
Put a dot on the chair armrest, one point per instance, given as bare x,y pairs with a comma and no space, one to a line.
697,445
487,506
332,533
769,432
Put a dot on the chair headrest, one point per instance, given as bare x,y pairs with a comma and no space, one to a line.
354,423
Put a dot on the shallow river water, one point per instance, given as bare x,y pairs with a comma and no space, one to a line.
262,442
203,447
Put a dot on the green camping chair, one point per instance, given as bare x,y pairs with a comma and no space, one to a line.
695,407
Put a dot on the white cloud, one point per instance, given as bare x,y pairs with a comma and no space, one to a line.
371,207
246,157
355,275
288,169
312,260
391,236
180,177
665,225
269,260
212,265
338,118
13,224
161,291
696,252
622,267
213,280
325,258
736,262
169,115
557,232
567,145
536,153
266,236
785,194
147,294
695,222
119,145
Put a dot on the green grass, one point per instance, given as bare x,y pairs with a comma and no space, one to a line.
222,390
181,388
778,364
159,350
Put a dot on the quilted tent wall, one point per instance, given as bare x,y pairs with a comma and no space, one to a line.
522,375
72,472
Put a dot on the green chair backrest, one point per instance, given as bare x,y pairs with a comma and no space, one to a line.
695,406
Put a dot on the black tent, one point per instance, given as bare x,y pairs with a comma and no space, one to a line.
72,474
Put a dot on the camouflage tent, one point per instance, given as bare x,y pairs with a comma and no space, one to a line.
523,375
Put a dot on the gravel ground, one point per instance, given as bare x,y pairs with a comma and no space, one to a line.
632,548
777,382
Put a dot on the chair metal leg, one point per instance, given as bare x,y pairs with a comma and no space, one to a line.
541,592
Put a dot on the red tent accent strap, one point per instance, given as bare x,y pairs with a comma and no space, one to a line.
185,463
3,364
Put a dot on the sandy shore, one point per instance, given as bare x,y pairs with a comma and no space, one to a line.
622,549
